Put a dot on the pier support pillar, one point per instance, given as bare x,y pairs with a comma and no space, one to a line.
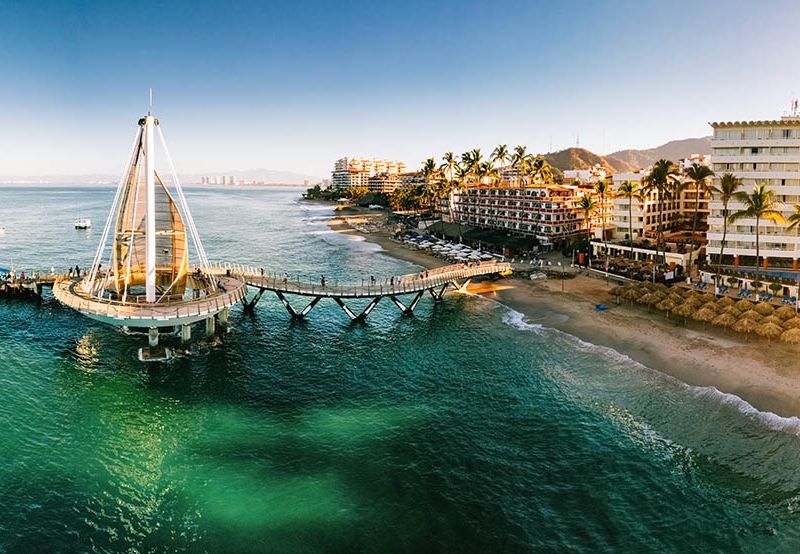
222,317
152,338
210,326
186,333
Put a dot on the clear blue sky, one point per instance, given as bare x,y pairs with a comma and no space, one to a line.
294,85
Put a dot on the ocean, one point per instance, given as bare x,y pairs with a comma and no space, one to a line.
464,428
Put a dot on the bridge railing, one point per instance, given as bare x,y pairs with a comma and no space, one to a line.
404,284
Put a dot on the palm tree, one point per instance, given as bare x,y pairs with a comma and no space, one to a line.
500,155
449,164
728,185
541,170
661,180
794,219
631,191
428,172
519,159
760,204
604,189
700,176
587,205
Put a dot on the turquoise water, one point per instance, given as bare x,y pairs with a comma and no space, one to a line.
465,428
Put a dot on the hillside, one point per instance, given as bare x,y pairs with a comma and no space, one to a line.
673,150
628,160
580,158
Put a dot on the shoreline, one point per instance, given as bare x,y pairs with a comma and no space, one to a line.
760,373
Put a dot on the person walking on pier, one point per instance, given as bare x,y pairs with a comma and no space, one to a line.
77,271
286,277
322,280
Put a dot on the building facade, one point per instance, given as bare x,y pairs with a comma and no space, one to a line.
756,152
550,213
356,172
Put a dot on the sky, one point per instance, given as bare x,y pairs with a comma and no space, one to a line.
295,85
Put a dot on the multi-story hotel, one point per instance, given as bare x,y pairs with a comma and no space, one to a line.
550,213
644,213
756,152
356,172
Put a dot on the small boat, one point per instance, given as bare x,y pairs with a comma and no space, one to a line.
2,230
83,223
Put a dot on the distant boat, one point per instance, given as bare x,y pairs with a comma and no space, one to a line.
83,223
2,230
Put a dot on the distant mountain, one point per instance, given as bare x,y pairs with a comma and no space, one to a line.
628,160
580,158
673,150
259,175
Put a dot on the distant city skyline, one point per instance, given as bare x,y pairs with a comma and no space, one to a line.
294,87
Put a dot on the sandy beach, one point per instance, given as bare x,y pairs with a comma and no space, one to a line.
766,375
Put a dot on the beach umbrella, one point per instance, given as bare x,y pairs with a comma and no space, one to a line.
726,301
685,310
618,290
648,299
732,310
666,305
724,320
773,319
792,323
705,315
785,312
764,308
662,287
713,306
751,314
676,296
745,305
746,326
769,331
632,294
792,336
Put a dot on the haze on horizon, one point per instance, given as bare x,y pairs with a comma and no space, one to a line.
294,86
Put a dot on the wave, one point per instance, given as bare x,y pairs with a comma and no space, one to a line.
771,420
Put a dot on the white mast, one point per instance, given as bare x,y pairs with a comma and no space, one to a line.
150,216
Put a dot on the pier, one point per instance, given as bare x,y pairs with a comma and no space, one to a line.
435,281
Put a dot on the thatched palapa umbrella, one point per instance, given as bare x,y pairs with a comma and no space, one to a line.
773,319
792,336
726,301
792,323
732,310
666,305
632,294
648,299
785,312
764,308
769,331
724,320
745,305
746,326
713,306
705,315
685,310
751,314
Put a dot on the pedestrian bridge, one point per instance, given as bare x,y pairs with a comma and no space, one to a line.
435,281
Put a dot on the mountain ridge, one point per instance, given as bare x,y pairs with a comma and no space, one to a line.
624,161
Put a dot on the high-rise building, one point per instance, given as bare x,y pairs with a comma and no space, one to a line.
757,152
356,172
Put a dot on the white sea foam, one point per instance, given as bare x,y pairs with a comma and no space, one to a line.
771,420
518,320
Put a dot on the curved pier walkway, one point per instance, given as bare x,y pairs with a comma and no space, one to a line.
435,281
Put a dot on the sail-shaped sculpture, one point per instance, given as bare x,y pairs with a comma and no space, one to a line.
141,273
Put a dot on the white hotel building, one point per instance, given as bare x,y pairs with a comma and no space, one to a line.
356,172
757,151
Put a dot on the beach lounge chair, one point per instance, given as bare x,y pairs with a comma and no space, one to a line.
749,293
740,293
770,296
793,299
